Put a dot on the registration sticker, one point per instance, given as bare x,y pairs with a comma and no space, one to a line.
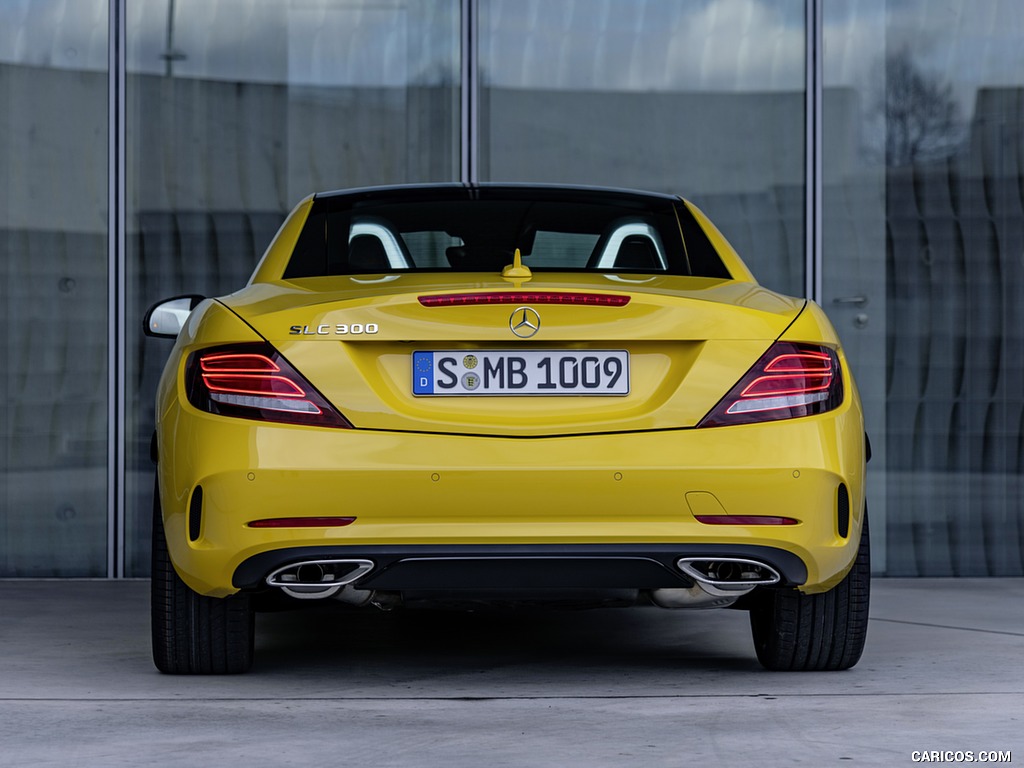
521,372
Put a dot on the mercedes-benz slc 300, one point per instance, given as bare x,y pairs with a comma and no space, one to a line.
505,393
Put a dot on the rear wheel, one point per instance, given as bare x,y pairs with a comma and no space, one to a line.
192,633
793,631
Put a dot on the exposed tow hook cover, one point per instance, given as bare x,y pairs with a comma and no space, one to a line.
317,579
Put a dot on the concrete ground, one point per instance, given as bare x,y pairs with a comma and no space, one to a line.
942,674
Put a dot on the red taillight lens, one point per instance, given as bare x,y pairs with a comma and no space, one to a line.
253,381
790,380
745,520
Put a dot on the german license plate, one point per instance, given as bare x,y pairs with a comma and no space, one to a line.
521,372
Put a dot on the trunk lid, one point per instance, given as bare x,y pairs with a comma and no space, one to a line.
685,341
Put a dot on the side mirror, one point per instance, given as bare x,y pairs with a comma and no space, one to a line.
165,319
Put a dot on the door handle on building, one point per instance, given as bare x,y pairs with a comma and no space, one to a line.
853,301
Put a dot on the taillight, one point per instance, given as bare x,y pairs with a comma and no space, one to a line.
790,380
253,381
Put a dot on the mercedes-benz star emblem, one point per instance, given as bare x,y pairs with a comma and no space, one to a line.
525,322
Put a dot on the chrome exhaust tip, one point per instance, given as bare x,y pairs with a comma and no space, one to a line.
317,579
728,573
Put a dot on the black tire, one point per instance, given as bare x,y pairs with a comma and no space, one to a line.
797,632
192,633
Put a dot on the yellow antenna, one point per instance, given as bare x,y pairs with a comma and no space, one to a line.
516,270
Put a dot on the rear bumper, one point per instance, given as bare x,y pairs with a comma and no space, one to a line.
521,567
607,508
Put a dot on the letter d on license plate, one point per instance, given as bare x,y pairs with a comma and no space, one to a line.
521,372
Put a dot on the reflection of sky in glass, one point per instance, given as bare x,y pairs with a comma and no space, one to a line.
637,45
964,43
316,42
54,33
709,45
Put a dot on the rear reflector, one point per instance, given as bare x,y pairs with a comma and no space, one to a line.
302,522
745,520
525,297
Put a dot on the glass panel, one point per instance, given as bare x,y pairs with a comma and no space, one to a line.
931,166
237,109
53,288
853,223
703,99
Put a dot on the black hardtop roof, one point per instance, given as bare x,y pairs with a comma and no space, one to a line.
493,191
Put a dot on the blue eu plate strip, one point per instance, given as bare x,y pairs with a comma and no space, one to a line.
423,373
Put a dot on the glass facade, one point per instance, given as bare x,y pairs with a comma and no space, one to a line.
54,318
868,153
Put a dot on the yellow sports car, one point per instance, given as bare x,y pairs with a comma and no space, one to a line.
510,393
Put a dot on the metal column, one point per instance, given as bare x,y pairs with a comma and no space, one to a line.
116,292
469,118
815,65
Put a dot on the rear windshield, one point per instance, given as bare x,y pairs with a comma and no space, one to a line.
464,233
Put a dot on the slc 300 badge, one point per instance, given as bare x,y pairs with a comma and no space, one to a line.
338,329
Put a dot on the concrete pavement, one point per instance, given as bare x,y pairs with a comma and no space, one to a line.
942,673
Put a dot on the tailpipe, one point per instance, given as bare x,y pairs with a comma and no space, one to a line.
728,574
317,579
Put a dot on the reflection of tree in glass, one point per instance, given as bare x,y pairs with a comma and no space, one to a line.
921,117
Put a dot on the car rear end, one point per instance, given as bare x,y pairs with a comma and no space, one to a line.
390,410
